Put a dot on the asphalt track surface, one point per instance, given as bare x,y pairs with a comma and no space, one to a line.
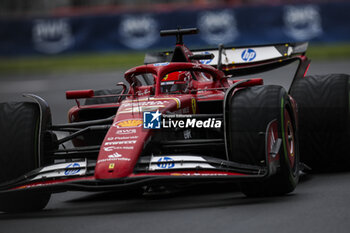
319,204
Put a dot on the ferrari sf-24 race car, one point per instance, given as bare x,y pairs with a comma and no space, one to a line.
184,117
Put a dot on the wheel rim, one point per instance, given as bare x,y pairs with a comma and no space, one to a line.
272,137
290,138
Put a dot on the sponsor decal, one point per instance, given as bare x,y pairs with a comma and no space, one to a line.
125,131
151,120
207,61
148,103
145,92
218,26
178,162
302,22
138,32
113,159
121,138
248,55
132,123
52,36
115,155
187,134
177,165
178,102
167,163
61,170
167,83
138,102
161,64
209,96
141,109
194,105
180,158
111,148
120,142
70,172
198,174
111,166
31,185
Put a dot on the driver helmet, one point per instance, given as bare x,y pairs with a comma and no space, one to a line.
175,82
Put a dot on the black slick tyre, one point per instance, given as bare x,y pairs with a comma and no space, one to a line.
19,127
252,111
324,121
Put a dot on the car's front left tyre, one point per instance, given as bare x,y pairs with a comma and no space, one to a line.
258,117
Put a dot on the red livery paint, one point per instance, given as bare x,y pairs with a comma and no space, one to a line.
78,94
122,137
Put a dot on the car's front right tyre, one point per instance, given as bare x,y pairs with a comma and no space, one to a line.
20,129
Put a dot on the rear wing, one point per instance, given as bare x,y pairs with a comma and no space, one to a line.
236,59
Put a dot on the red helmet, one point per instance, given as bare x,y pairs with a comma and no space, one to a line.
175,82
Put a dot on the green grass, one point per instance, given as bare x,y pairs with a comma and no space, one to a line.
98,61
63,63
329,52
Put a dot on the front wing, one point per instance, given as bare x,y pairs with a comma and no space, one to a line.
149,171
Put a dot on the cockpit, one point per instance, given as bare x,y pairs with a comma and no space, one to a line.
176,82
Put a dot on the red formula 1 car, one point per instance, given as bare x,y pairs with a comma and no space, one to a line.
183,117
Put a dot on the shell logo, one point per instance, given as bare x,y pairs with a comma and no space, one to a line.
176,174
128,123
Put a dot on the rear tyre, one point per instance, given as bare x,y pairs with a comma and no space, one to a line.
324,121
19,127
252,111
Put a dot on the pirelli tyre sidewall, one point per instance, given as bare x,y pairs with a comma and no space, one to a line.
324,121
19,127
251,111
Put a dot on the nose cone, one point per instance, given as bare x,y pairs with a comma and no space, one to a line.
133,125
121,148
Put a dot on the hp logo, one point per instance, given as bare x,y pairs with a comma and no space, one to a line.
207,61
69,171
248,55
167,162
